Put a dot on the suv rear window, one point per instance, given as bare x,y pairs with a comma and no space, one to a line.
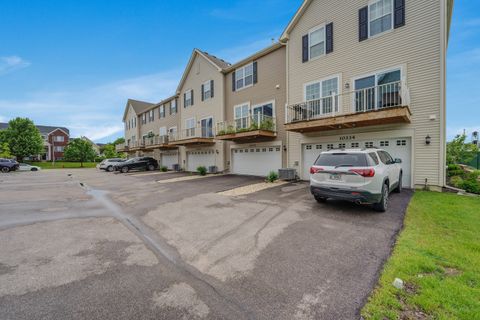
344,159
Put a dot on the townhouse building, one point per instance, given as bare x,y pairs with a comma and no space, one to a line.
364,73
345,74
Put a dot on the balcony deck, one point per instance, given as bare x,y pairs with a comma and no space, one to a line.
258,128
248,136
193,141
390,115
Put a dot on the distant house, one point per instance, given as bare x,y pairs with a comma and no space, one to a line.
55,139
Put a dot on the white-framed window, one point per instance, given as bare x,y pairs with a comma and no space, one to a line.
161,111
173,106
378,90
207,90
172,132
319,96
188,98
190,127
316,42
150,116
163,131
59,138
207,127
263,115
144,118
380,16
59,148
242,113
244,76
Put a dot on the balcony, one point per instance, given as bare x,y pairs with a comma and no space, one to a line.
158,142
384,104
258,128
197,136
122,147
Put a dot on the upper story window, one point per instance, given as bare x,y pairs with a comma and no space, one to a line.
207,90
188,98
316,42
144,118
161,112
242,114
319,96
163,131
59,138
380,16
378,90
244,76
173,106
151,116
59,148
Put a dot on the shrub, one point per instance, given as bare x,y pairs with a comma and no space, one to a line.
202,170
454,170
163,169
272,177
471,185
456,181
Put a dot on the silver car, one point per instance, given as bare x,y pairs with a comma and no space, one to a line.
109,164
363,176
27,167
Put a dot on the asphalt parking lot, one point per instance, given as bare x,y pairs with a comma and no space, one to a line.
83,244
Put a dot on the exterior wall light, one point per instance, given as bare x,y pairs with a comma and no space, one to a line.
428,140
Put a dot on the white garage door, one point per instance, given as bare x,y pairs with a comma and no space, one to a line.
257,161
195,159
397,147
169,159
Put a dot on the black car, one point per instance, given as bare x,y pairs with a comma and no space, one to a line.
7,165
141,163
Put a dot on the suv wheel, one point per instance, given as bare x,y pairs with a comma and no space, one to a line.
34,169
320,199
110,168
150,167
399,188
124,169
382,206
5,169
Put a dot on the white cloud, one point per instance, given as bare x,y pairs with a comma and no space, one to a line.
12,63
95,112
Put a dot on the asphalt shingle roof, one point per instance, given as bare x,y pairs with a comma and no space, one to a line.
43,129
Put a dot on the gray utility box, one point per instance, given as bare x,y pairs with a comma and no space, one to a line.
287,174
212,169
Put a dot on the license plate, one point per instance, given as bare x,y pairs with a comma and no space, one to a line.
335,177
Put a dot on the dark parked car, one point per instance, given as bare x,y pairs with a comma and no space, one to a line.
7,165
141,163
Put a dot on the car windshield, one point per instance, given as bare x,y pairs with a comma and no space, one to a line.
132,160
343,159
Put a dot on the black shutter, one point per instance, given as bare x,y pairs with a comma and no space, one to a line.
255,72
329,38
399,13
211,88
203,92
184,100
305,48
363,24
192,97
233,80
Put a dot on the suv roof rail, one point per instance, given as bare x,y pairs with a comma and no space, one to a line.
374,147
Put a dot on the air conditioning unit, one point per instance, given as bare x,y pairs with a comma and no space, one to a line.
287,174
212,169
176,167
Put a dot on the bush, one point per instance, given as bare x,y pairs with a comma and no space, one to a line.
272,177
456,181
471,185
202,170
455,170
163,169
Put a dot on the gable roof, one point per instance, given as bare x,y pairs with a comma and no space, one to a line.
44,130
138,106
298,15
218,63
255,56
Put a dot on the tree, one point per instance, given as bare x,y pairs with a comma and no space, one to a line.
79,150
5,150
109,151
119,141
460,152
23,138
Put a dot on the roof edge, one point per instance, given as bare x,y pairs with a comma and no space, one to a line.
293,22
256,55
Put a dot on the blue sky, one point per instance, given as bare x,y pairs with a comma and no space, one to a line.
75,63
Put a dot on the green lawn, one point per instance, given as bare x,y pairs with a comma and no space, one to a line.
438,257
61,165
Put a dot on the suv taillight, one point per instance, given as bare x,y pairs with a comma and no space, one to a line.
367,173
314,170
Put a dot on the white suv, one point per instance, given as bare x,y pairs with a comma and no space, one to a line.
363,176
108,164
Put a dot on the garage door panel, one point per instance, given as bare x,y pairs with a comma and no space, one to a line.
169,159
397,147
257,161
195,159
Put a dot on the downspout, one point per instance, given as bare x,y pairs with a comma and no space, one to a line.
287,56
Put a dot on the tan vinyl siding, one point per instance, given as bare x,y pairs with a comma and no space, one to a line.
417,46
271,72
133,131
168,121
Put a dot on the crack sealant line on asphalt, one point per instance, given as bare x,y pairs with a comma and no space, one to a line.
163,250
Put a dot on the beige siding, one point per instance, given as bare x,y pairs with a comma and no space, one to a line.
418,47
168,121
201,71
133,131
